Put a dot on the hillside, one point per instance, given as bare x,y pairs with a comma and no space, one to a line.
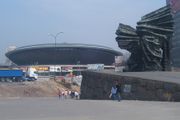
41,88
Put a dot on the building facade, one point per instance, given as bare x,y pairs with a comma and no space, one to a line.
175,44
62,54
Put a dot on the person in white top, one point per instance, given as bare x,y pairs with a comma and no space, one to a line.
113,92
76,95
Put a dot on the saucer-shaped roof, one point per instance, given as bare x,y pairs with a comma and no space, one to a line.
62,54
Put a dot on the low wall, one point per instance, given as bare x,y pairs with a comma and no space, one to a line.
97,85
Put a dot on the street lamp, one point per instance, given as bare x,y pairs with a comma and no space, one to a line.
55,36
55,39
78,71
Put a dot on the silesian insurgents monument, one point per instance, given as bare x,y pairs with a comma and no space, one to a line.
154,44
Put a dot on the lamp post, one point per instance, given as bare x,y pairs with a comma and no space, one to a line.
78,71
55,39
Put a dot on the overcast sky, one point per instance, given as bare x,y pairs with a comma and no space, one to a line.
27,22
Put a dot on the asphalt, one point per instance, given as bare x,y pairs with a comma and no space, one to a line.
55,109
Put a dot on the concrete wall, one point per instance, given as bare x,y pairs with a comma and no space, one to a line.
97,85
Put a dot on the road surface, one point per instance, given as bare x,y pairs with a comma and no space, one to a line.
55,109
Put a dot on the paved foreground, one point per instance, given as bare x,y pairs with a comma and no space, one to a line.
54,109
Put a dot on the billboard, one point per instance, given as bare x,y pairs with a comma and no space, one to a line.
95,67
66,69
55,69
41,68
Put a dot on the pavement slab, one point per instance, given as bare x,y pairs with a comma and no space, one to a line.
55,109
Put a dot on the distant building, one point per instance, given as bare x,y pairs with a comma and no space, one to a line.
8,61
62,54
175,46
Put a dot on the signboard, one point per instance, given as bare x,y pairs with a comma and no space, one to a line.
95,66
55,69
127,88
66,69
41,68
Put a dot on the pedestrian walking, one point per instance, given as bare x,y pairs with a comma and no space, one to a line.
59,93
118,91
113,92
76,95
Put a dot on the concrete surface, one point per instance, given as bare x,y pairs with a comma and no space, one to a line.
173,77
54,109
157,86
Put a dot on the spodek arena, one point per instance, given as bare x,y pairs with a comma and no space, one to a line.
64,55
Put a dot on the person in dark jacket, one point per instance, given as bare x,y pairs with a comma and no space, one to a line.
118,91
